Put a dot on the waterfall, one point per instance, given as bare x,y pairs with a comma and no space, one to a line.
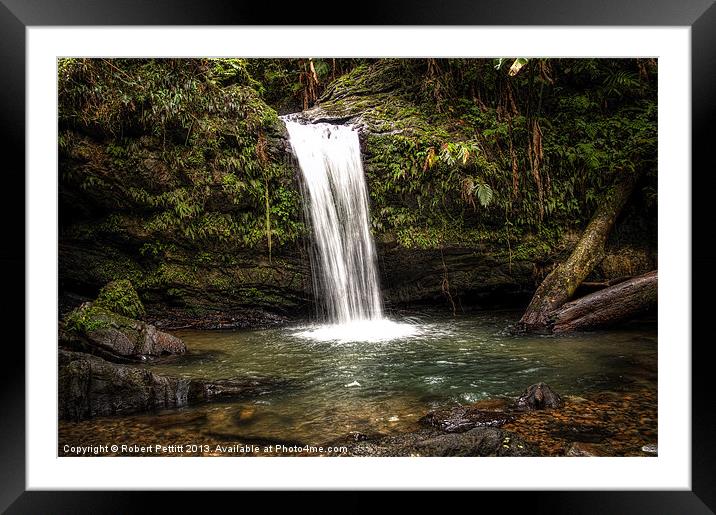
343,258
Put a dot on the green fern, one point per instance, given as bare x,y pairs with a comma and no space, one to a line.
484,194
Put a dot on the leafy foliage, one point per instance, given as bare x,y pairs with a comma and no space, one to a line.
291,85
185,142
86,319
480,147
121,298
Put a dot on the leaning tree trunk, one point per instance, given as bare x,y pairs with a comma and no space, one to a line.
608,306
559,286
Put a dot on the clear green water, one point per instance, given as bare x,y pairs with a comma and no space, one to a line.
383,386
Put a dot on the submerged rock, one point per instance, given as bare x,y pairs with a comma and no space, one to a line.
580,432
203,390
94,329
90,386
460,419
480,441
539,396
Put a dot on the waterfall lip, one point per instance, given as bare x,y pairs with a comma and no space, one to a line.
304,118
341,120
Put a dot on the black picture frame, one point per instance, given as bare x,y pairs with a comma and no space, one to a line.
17,15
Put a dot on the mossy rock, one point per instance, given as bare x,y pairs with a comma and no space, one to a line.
86,319
120,297
95,329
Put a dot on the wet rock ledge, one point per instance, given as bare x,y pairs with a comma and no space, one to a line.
100,340
90,386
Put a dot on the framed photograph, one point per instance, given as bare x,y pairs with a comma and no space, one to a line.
453,252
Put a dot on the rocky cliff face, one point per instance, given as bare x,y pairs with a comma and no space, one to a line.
175,175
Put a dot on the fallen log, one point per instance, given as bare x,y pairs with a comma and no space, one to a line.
559,286
597,285
607,307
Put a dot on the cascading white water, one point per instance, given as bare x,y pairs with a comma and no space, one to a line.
344,267
343,261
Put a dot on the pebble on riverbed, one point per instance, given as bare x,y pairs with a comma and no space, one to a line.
651,448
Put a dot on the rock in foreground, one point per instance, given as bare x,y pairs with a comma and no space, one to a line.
539,396
90,386
460,419
480,441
